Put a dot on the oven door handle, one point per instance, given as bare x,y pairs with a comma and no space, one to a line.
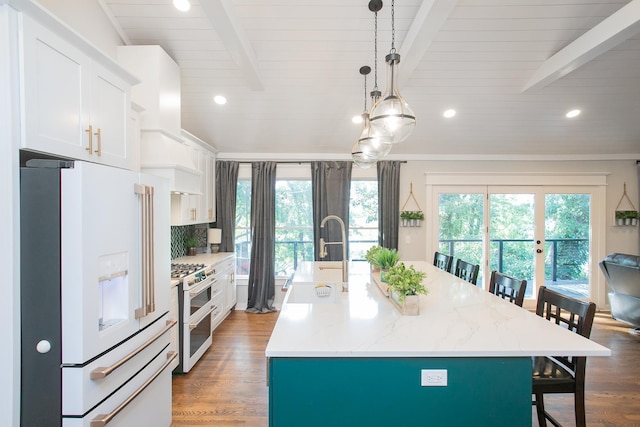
101,372
103,419
193,325
200,288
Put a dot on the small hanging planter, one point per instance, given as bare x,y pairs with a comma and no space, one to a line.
411,218
629,216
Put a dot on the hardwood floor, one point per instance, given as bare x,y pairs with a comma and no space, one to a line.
228,386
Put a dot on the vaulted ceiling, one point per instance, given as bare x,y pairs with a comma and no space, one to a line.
511,69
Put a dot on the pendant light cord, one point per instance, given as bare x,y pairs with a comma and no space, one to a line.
393,27
375,53
365,111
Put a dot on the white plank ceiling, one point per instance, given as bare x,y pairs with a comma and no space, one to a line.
511,69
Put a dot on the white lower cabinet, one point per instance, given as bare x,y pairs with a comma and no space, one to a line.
174,339
224,292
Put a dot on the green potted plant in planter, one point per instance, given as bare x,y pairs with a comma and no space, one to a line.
191,243
386,258
372,257
405,217
626,217
411,218
416,218
405,284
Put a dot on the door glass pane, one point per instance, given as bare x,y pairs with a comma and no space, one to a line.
461,218
511,230
567,219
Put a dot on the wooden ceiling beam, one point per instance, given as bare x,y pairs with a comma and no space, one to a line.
428,22
227,25
608,34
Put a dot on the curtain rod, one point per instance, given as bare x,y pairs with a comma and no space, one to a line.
292,162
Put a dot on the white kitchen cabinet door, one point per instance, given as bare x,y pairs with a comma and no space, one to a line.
109,118
184,209
56,96
73,106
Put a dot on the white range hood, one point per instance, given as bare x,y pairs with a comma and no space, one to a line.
163,155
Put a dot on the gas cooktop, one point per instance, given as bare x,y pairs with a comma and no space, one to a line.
179,271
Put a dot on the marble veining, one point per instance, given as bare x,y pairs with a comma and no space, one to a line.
456,319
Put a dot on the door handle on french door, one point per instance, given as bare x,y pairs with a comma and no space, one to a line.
539,251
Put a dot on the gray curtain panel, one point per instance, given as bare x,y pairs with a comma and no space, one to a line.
263,236
331,185
388,203
226,184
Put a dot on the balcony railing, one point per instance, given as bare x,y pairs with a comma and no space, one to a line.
302,250
566,261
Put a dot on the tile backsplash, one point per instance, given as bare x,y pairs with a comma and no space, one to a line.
179,233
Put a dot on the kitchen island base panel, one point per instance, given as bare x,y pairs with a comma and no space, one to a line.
388,392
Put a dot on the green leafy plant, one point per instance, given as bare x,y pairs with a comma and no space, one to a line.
626,214
417,215
191,241
372,256
406,281
387,258
407,215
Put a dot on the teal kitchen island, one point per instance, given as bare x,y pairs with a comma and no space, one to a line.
351,359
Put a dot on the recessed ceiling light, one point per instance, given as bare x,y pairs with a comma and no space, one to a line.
573,113
449,113
182,5
219,99
356,119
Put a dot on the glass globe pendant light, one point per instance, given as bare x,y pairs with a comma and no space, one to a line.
392,115
360,159
370,142
364,153
375,142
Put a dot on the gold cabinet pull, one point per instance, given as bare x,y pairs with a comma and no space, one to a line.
103,372
90,147
102,420
99,150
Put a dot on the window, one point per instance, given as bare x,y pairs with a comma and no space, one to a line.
294,223
363,218
243,227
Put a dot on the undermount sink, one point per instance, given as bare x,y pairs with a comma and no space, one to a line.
318,271
306,293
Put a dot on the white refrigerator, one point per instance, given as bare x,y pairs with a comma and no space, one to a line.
95,261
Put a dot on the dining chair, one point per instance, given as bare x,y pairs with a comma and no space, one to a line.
507,287
442,261
466,271
562,374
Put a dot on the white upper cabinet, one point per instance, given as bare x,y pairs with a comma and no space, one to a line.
196,207
75,105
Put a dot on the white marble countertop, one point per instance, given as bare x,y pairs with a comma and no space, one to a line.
456,319
203,258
